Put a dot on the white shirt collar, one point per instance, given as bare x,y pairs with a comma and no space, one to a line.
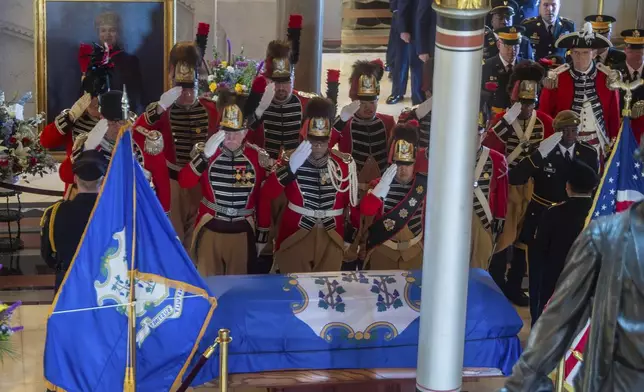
564,149
505,63
587,71
631,70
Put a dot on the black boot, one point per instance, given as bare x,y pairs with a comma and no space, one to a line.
516,273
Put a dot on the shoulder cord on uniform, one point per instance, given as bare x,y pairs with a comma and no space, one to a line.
335,174
52,218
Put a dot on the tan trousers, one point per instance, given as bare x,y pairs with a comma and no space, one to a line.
317,250
518,198
482,244
221,253
183,211
277,208
383,257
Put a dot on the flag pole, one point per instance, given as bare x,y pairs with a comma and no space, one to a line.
457,80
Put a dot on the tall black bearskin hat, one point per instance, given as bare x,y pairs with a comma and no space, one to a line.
404,144
185,60
232,116
317,118
278,64
96,65
365,80
525,80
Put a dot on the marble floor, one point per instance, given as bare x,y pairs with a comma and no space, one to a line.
25,372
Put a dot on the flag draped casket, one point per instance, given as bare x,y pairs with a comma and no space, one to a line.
349,320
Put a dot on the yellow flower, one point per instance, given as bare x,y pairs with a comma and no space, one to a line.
3,307
213,87
239,88
224,64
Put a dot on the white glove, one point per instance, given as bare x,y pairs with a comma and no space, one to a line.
266,100
213,143
382,188
424,108
299,156
260,247
349,110
95,136
169,97
80,106
511,114
549,144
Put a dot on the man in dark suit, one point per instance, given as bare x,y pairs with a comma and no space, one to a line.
497,70
631,70
394,37
549,167
63,223
407,57
501,16
560,226
426,31
544,30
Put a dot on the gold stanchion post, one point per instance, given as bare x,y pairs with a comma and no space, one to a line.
224,339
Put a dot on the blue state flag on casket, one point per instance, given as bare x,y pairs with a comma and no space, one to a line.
87,347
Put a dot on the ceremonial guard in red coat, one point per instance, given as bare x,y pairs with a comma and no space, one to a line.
364,134
515,134
583,87
95,63
320,184
147,145
232,225
183,120
423,114
490,198
396,204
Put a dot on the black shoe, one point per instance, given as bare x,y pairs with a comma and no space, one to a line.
518,298
394,99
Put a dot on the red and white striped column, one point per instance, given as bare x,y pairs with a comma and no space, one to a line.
454,139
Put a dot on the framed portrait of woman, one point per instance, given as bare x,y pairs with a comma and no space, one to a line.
142,31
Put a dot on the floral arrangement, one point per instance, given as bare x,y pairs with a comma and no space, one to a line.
236,73
20,150
6,330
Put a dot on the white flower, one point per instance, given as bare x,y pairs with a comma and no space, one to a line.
230,69
211,78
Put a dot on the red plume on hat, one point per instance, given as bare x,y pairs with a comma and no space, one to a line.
374,68
332,86
85,56
293,34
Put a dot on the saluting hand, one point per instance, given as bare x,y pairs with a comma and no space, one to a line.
382,189
79,107
299,156
95,136
169,97
511,114
549,144
424,108
349,110
265,101
213,143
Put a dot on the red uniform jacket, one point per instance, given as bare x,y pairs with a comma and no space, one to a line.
556,100
493,142
343,136
498,196
277,182
198,171
61,131
150,160
422,160
638,128
149,120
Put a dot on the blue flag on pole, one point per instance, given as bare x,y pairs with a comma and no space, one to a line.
87,347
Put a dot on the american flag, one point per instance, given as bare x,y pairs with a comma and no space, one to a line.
622,185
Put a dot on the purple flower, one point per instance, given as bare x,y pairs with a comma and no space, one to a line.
241,64
13,307
260,66
16,329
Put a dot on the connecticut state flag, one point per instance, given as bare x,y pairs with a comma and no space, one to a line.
88,337
621,185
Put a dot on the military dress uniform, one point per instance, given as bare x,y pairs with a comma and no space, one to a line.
395,237
424,124
181,128
586,93
311,231
506,9
543,37
490,49
496,72
516,140
231,217
365,139
550,175
602,24
62,224
634,39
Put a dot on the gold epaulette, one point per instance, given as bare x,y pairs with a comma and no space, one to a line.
551,81
197,149
52,210
346,158
153,140
307,95
263,157
286,155
79,144
612,76
637,110
533,19
132,117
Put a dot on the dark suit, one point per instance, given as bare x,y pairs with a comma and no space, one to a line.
543,43
627,77
70,220
557,230
527,9
495,72
394,35
407,57
550,176
490,49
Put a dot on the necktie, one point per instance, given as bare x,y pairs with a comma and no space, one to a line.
550,30
567,155
636,75
509,68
